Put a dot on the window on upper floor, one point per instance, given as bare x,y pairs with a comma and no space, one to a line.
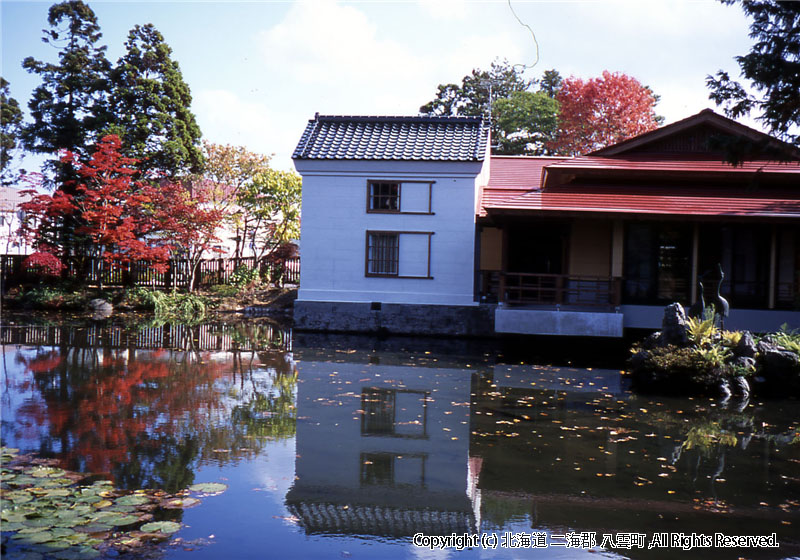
395,197
399,254
383,197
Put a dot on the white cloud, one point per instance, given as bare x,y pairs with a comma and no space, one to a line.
225,118
446,10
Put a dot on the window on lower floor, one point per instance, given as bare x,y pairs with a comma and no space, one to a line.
398,254
657,262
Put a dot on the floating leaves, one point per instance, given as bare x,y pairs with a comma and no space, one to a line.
209,488
50,514
165,527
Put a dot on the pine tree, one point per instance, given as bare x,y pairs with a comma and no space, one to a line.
152,107
773,68
69,108
10,119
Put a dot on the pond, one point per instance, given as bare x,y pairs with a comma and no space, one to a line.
348,447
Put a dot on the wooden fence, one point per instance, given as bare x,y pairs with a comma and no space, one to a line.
210,272
202,338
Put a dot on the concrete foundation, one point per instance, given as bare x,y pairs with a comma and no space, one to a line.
559,323
394,318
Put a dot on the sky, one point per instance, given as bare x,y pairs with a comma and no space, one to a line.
259,70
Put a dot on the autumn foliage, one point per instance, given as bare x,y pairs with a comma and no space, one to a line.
115,216
602,111
43,263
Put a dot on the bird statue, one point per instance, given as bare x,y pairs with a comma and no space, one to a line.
699,306
721,306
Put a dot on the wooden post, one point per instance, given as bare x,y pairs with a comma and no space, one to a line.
695,255
773,267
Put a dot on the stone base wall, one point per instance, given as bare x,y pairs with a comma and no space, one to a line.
395,318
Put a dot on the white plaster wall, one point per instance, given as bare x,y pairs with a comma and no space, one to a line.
335,221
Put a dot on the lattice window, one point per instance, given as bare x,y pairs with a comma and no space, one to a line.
383,254
384,197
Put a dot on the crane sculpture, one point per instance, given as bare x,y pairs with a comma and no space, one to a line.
721,306
699,306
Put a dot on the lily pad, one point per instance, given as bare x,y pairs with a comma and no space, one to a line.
39,522
115,519
35,538
166,527
209,487
46,472
132,500
178,503
12,516
74,553
11,526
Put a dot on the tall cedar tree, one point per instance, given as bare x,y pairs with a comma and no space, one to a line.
10,124
772,66
69,108
602,111
152,107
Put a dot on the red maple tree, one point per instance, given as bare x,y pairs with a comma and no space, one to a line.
121,218
602,111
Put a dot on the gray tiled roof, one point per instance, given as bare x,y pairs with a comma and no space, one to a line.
394,138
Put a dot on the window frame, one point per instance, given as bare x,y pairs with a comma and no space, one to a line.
399,183
367,260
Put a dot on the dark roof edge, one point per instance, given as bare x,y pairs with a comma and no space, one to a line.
396,118
705,116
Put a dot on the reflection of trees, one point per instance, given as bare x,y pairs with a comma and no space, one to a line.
148,417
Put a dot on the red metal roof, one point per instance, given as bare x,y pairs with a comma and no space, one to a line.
514,187
700,203
518,172
682,163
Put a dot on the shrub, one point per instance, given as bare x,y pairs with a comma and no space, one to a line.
244,276
673,369
43,264
224,290
188,309
140,298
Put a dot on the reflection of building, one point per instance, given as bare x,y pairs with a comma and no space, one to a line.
383,449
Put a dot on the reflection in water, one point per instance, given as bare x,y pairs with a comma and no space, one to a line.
146,417
383,449
399,441
395,437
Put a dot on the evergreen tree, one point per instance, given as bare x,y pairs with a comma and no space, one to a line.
152,107
69,108
478,92
11,120
772,66
522,121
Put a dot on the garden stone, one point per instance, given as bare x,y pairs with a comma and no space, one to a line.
740,386
673,326
744,362
725,389
774,358
101,309
746,346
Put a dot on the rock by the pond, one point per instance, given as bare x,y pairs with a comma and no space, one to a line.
776,359
673,326
744,363
740,386
101,309
746,346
